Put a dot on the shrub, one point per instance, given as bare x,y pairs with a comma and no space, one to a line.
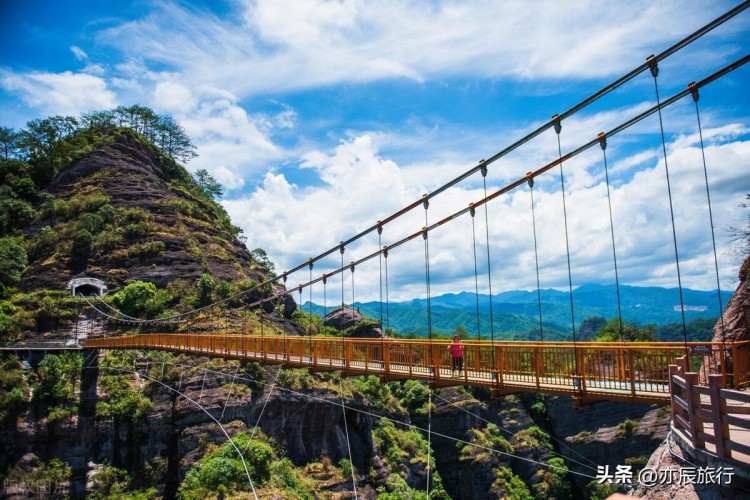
13,260
627,428
14,391
146,250
81,249
43,242
132,299
90,222
105,242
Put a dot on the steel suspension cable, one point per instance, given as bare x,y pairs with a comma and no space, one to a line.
581,105
489,267
696,96
509,187
603,144
342,249
231,441
380,286
398,422
654,68
387,300
346,431
473,213
558,129
536,257
429,438
325,300
593,465
426,204
380,271
309,306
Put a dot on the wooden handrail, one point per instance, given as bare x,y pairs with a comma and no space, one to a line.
606,370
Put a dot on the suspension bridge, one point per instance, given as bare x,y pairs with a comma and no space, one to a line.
585,370
691,376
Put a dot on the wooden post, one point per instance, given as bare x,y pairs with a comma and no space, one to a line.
538,365
718,409
682,362
736,366
387,357
674,370
498,365
694,403
631,367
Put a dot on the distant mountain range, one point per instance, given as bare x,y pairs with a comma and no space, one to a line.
516,313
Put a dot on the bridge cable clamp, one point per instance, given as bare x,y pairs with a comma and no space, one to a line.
693,87
653,65
557,124
602,140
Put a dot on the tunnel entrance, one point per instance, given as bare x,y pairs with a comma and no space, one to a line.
87,286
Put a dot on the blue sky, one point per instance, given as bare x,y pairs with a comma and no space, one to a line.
321,117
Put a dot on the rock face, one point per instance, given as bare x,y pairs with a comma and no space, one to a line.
196,234
736,323
599,433
342,318
455,415
349,319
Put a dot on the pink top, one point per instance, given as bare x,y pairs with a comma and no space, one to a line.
457,350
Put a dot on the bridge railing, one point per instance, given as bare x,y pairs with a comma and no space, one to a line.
710,420
587,369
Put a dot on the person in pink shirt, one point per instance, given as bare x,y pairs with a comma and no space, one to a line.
456,349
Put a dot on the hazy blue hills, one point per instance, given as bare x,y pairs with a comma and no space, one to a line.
516,313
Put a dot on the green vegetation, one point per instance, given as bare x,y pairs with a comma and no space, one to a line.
411,395
84,231
630,332
13,260
548,481
14,391
112,483
123,401
508,485
627,428
54,476
405,451
482,441
221,471
55,386
600,491
208,183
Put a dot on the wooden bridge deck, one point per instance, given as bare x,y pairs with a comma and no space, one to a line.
587,371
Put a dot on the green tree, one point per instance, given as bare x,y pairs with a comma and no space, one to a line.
133,298
462,332
173,140
261,257
8,141
14,214
206,286
631,332
208,183
81,249
13,261
590,327
58,376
